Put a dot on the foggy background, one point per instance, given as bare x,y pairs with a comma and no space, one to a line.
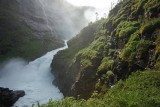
57,17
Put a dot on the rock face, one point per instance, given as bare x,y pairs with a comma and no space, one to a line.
129,40
70,79
54,17
30,28
9,97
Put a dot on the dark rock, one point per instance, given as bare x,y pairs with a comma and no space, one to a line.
120,68
9,97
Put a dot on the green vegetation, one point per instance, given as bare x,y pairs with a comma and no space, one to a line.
150,26
125,29
113,62
158,41
83,39
124,53
105,64
135,48
18,40
141,89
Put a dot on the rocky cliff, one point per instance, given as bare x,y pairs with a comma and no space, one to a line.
29,28
127,41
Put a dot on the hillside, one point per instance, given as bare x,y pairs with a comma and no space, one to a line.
30,28
17,39
123,52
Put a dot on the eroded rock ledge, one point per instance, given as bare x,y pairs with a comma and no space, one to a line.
9,97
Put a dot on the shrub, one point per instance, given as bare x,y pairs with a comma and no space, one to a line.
134,47
141,89
150,26
126,28
105,65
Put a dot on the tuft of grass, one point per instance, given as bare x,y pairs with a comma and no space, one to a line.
141,89
150,26
126,28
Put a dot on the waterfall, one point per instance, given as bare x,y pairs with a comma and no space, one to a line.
42,3
35,78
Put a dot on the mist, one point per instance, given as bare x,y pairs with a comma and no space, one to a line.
53,17
35,78
102,7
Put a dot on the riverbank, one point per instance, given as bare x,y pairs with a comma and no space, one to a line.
35,78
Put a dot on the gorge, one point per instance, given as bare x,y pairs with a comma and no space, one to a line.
34,78
29,29
112,62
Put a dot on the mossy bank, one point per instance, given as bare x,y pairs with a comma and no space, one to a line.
107,52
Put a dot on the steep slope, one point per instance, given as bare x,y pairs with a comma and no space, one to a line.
83,39
30,28
19,40
141,89
127,41
57,17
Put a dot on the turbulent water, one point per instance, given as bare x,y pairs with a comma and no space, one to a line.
34,78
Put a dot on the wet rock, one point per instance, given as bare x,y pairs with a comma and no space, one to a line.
120,68
9,97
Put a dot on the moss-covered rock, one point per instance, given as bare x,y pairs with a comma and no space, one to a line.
127,41
66,65
141,89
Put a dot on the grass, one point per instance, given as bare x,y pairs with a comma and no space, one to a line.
141,89
126,28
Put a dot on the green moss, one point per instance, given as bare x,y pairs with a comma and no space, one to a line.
82,40
93,51
87,53
158,42
106,63
126,28
135,46
119,19
150,26
152,6
157,65
141,89
86,63
137,7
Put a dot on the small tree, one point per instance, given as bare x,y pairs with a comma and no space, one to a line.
112,4
97,16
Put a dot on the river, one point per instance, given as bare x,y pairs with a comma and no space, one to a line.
35,78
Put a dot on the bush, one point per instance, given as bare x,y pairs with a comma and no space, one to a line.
126,28
105,65
134,47
150,26
141,89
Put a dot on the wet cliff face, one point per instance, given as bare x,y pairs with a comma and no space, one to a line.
18,38
56,17
125,42
30,28
71,72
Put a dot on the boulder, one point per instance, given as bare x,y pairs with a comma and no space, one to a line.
9,97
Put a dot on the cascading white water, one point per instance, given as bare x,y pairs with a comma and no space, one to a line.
35,78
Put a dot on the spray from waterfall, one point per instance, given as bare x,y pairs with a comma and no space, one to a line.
35,78
47,19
